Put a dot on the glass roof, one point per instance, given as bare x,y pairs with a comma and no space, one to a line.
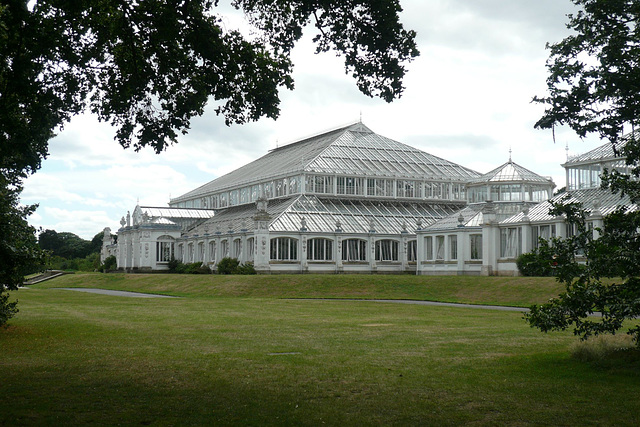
155,212
602,152
322,214
471,217
510,172
357,216
353,150
606,201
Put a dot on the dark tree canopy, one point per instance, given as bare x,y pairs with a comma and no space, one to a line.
68,245
149,66
594,88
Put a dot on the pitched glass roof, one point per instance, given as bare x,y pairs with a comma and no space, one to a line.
606,201
155,212
323,214
353,150
603,152
471,217
359,216
510,172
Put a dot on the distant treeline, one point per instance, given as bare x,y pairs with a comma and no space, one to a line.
68,251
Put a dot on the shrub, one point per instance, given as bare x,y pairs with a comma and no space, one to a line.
192,268
539,262
246,268
173,265
228,266
109,264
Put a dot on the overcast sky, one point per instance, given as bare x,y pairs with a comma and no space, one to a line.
467,99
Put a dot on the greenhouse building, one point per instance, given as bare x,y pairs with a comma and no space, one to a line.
345,201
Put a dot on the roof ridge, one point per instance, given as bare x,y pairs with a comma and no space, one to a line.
316,135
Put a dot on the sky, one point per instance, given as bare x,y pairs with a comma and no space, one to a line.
467,99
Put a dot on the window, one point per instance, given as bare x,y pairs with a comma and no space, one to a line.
545,232
224,245
510,242
200,252
453,247
237,248
428,248
412,250
294,185
212,251
350,185
250,248
386,250
284,249
320,250
164,249
354,250
244,194
439,247
475,241
233,198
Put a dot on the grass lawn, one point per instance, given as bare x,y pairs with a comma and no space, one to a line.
233,351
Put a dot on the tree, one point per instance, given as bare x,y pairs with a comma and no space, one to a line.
65,244
149,66
594,88
19,252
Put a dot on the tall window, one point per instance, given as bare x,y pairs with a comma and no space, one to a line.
354,250
237,249
284,249
386,250
200,254
164,249
475,241
439,247
212,251
320,250
250,248
428,248
510,242
412,250
453,247
224,245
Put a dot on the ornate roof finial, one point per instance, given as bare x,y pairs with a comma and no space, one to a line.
566,148
360,116
510,154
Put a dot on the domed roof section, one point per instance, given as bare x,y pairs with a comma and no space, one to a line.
511,172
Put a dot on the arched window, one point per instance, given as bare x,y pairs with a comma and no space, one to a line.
225,248
165,246
284,249
237,248
189,252
320,250
200,254
387,250
354,250
212,251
